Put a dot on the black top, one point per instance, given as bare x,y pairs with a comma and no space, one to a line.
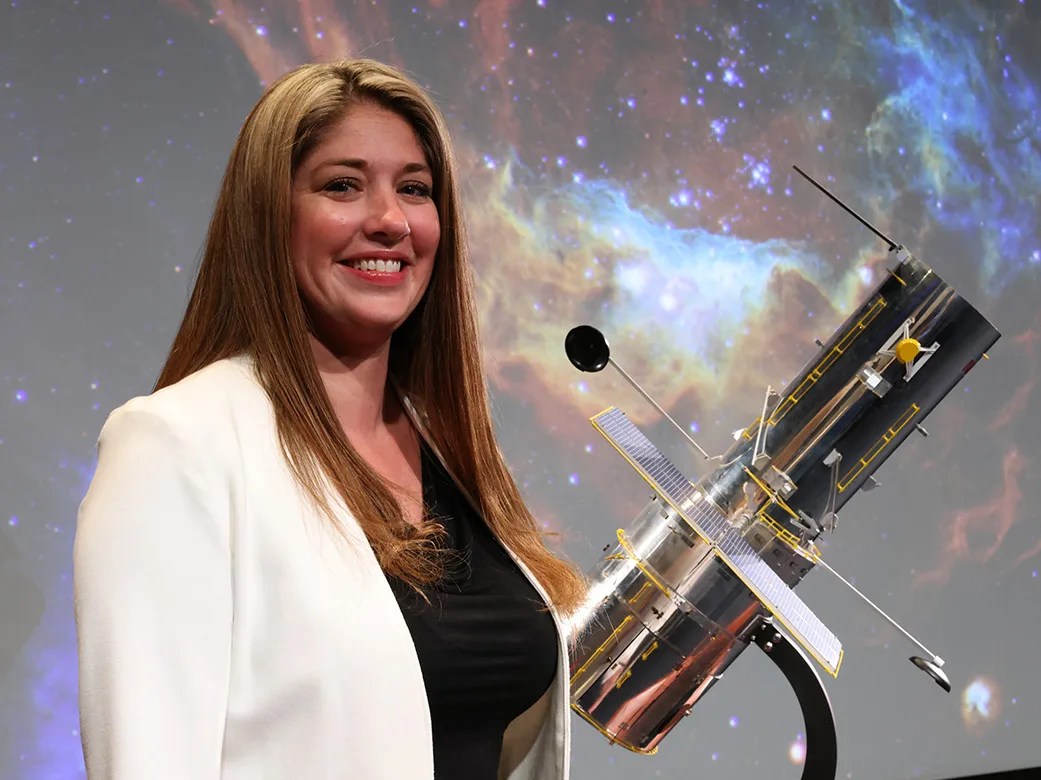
486,644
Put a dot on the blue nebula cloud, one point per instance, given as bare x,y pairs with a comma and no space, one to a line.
960,128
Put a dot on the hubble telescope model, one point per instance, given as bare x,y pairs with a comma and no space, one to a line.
709,565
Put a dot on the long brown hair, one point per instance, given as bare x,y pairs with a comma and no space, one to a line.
245,301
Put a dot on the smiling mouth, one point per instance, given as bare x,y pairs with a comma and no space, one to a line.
379,266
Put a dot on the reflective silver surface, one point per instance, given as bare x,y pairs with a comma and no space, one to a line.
666,614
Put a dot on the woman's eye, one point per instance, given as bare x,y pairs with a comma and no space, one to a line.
341,185
416,189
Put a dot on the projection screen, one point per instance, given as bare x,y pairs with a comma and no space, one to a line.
626,165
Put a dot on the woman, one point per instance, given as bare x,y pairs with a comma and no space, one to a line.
303,555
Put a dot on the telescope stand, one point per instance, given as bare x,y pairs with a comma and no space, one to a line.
821,741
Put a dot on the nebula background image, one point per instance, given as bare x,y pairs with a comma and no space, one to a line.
626,165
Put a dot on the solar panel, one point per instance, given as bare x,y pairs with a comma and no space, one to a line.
712,526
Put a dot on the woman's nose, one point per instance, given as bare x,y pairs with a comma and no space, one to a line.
386,221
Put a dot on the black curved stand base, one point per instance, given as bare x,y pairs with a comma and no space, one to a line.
822,751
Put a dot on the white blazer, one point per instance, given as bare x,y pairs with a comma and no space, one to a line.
226,631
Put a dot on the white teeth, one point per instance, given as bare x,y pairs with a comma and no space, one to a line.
381,266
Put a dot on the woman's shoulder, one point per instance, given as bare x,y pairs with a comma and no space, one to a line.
206,406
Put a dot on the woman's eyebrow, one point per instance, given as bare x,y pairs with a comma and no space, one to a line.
413,167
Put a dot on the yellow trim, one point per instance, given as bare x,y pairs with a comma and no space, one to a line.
896,276
599,651
747,433
876,449
612,738
623,540
647,653
625,676
782,533
770,492
639,594
821,368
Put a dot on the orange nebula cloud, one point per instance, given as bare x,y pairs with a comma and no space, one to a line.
976,534
1028,343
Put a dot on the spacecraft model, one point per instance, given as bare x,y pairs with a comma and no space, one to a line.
709,565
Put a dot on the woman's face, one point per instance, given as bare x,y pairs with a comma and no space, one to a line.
365,229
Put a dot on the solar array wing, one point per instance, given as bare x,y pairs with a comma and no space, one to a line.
781,600
712,526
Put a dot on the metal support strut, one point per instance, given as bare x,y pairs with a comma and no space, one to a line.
822,753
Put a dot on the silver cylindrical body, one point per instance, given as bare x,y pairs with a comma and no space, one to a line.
665,616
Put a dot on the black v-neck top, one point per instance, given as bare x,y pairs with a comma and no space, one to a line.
487,645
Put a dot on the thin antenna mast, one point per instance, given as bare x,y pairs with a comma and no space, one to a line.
892,244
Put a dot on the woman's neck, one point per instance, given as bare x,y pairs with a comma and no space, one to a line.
375,422
357,388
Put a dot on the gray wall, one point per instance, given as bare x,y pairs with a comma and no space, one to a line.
626,164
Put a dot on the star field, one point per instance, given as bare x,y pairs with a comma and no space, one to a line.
626,165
